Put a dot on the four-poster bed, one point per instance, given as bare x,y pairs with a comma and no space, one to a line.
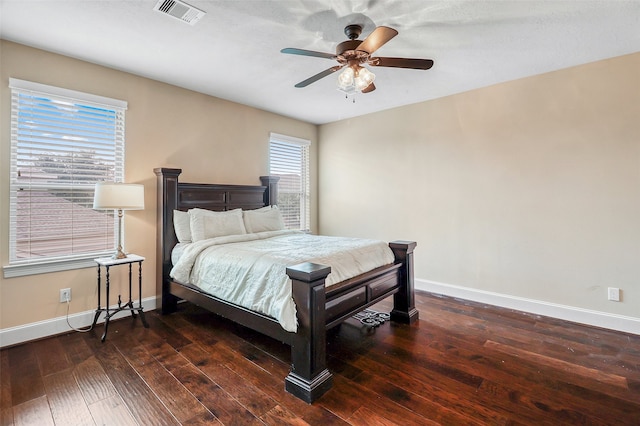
318,308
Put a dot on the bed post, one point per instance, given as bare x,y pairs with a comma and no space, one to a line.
309,377
167,193
271,194
404,309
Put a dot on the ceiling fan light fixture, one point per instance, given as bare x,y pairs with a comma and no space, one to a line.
363,79
355,78
345,79
352,54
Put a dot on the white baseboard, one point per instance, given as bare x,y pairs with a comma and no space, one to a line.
568,313
38,330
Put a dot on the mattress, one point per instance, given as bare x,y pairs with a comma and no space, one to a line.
249,270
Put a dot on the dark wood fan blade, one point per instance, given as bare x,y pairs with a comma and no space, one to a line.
318,76
294,51
419,64
376,39
369,88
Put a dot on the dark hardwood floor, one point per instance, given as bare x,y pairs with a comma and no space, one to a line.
462,363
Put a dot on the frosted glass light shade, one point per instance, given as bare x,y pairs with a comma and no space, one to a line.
364,78
345,79
118,196
355,78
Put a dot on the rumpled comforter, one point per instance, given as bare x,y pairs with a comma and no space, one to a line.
250,270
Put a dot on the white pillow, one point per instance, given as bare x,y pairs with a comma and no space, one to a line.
182,226
209,224
264,219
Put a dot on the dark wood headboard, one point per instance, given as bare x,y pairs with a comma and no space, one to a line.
174,195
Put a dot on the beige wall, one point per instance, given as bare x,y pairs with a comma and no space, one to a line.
212,140
529,188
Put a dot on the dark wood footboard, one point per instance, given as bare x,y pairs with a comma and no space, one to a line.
318,308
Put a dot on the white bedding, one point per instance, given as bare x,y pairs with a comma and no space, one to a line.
249,269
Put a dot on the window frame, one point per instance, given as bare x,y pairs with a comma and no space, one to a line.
53,263
305,184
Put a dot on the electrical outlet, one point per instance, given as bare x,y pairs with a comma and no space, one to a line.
65,295
614,294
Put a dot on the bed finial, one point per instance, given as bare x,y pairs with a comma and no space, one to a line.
271,195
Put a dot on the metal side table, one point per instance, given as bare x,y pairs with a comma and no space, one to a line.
107,263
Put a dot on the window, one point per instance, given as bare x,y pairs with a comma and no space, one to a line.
62,143
289,159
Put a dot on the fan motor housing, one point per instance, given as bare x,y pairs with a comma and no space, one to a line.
347,52
347,45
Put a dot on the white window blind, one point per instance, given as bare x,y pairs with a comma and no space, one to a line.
289,159
62,143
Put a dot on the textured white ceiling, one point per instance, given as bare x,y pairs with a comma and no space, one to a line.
234,51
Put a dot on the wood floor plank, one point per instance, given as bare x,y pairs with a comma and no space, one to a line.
93,381
246,369
76,347
6,417
281,416
577,371
596,338
527,408
236,398
141,401
178,400
571,347
26,380
169,334
365,416
446,398
534,385
65,400
533,330
217,401
111,411
423,405
34,412
52,356
346,397
202,419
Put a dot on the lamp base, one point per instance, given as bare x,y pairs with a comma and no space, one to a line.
119,254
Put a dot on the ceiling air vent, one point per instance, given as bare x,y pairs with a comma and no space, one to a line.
179,10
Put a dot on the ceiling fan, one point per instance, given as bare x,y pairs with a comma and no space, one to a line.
353,54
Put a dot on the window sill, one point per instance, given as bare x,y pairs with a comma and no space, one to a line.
12,271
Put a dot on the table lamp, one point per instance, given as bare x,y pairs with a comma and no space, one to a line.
118,196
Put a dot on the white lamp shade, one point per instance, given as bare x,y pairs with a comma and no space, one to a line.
118,196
